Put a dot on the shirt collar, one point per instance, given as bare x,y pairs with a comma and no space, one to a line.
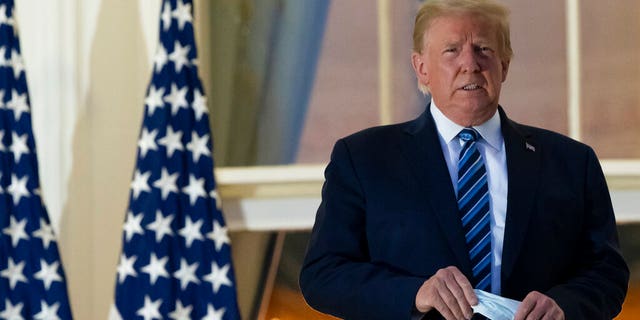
490,130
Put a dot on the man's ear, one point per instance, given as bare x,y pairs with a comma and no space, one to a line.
505,70
420,68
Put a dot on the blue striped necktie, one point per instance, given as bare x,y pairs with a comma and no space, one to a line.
473,203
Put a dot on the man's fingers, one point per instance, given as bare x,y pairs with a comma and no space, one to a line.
536,314
455,295
525,308
538,306
449,301
447,291
442,307
461,288
467,288
454,304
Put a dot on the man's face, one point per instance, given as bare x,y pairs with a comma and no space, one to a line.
461,65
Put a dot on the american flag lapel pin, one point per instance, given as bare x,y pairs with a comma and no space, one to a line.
529,147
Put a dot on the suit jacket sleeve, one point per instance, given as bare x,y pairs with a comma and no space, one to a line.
598,289
337,276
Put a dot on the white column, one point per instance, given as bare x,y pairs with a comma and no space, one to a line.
573,68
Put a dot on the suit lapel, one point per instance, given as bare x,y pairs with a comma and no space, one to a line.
523,169
422,150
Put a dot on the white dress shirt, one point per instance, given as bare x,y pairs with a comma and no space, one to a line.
491,147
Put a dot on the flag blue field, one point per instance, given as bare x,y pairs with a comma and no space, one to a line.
32,280
176,257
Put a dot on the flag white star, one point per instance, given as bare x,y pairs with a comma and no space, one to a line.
166,183
2,146
166,16
151,309
3,15
195,189
172,141
45,233
177,98
160,58
199,104
156,268
182,13
187,273
17,63
219,235
181,312
213,314
198,146
132,225
218,277
48,273
12,312
48,312
125,267
13,272
140,183
18,146
18,188
147,141
154,99
16,230
3,52
18,104
216,196
191,231
179,56
161,226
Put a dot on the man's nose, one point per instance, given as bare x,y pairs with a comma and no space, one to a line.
469,61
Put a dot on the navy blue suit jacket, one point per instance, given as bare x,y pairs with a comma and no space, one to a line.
389,220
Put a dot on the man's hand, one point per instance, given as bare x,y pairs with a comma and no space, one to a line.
449,292
538,306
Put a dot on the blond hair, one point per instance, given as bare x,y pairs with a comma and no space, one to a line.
491,10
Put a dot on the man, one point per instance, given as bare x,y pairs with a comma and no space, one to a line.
415,216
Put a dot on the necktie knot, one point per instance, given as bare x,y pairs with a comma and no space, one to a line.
468,134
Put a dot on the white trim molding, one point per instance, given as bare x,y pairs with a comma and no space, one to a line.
285,198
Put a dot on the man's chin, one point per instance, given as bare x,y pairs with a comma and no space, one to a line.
478,112
476,103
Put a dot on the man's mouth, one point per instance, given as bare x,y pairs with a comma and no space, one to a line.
471,87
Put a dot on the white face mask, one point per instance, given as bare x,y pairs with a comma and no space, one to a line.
495,307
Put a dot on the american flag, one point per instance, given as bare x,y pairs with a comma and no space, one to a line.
176,256
32,281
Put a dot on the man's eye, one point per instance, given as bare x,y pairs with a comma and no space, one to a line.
450,50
